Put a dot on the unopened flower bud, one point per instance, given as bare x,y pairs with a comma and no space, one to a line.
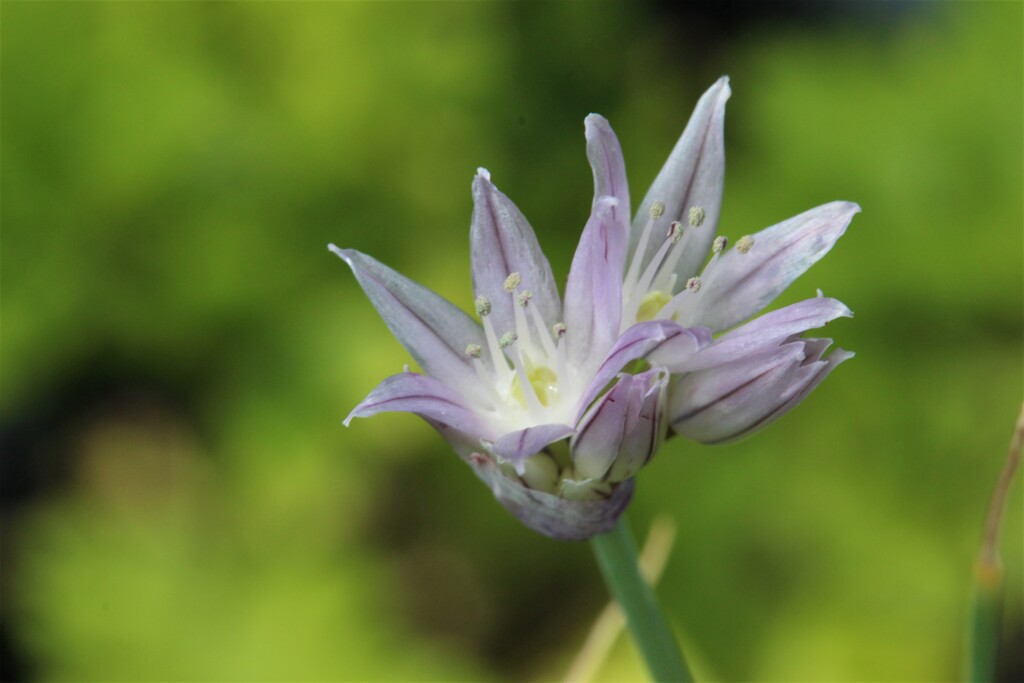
622,430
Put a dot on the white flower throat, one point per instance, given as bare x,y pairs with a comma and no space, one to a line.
527,379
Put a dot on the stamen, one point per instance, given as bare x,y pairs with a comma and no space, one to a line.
655,212
483,306
643,285
559,330
508,339
522,328
719,245
501,369
512,281
676,303
744,244
675,232
532,402
697,216
473,350
542,332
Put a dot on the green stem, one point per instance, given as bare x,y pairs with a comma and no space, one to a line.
983,631
617,558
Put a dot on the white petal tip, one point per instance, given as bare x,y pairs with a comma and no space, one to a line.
343,254
483,173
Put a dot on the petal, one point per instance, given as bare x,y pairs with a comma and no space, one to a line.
516,446
692,176
431,329
501,243
736,399
766,331
551,515
741,284
605,156
656,340
621,431
721,403
593,294
425,396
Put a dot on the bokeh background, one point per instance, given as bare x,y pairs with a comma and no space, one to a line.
180,500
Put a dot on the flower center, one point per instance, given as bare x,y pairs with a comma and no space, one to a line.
544,382
526,363
651,304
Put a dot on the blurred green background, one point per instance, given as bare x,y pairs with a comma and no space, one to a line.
180,499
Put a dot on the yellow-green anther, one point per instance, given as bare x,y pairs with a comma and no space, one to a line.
657,209
675,232
473,350
693,284
512,281
508,339
483,306
719,245
744,244
559,330
697,216
524,297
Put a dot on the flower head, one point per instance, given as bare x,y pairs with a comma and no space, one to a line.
533,394
522,393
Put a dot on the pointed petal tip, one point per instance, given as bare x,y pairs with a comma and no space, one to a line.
482,174
344,254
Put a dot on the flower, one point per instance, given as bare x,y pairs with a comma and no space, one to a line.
523,396
535,397
757,370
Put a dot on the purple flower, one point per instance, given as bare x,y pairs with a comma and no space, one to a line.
523,395
759,369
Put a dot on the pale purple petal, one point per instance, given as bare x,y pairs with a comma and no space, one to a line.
501,243
515,446
731,401
605,155
551,515
811,373
656,340
741,284
621,431
693,176
432,330
766,331
593,294
409,392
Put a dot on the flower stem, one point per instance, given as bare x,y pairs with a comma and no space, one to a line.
986,609
617,557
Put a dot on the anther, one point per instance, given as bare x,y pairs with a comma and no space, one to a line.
473,350
559,329
675,232
719,245
512,281
693,284
508,339
483,306
524,298
657,209
744,244
696,216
